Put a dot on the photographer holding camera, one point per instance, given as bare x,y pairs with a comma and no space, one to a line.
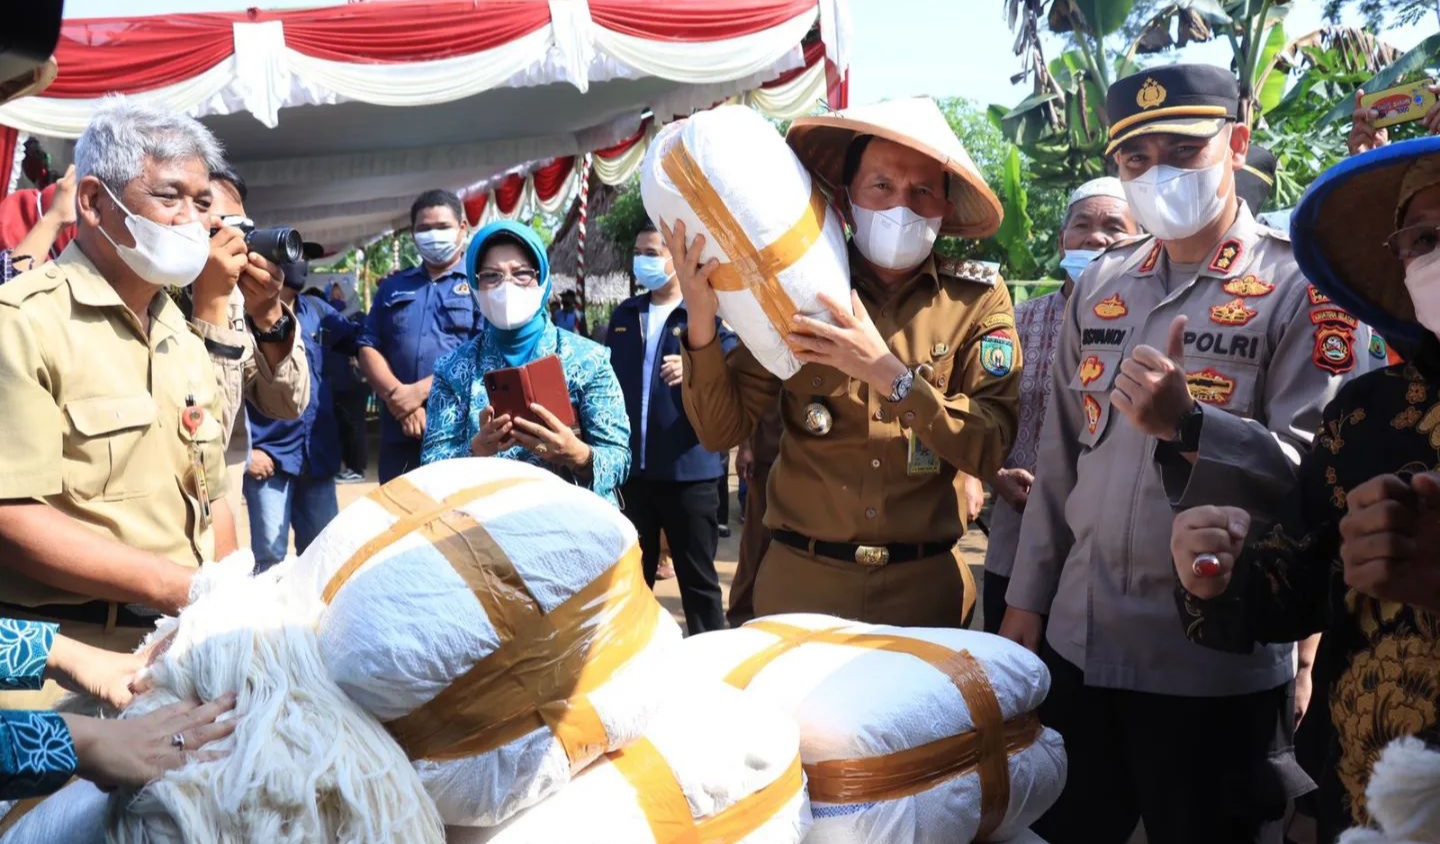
250,334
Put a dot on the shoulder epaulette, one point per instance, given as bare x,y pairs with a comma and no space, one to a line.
984,272
39,280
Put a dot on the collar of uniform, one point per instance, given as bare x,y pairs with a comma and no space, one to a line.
88,287
864,279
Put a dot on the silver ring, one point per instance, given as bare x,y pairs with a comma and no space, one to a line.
1204,558
178,740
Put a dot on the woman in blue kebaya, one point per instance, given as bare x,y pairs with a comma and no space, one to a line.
510,278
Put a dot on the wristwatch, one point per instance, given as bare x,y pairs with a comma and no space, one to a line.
901,386
280,332
1187,430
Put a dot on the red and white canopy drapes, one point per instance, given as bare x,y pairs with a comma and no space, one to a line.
674,57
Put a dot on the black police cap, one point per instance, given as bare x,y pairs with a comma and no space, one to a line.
1181,99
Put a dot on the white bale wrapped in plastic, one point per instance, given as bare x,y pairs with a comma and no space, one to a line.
497,620
716,766
909,735
74,815
728,175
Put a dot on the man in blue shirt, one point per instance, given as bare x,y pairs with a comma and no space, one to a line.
291,476
672,484
417,316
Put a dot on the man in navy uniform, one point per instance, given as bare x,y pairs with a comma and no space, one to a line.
417,316
673,482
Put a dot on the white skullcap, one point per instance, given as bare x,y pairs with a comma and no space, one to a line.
1103,186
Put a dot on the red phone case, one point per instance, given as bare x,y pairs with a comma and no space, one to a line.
512,390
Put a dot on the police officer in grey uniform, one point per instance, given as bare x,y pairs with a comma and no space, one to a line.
1192,367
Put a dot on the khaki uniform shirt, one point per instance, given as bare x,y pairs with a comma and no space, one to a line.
885,473
1264,354
243,374
90,416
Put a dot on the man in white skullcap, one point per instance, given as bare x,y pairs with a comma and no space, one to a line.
1096,217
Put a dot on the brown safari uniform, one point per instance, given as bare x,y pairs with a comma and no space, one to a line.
884,475
91,424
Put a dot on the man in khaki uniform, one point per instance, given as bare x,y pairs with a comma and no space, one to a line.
238,289
111,445
921,381
1192,366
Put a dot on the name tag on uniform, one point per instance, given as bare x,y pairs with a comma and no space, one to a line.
921,459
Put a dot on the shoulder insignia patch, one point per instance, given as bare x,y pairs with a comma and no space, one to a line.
1321,316
1092,413
1226,256
997,320
984,272
1148,265
1091,368
1316,297
1210,386
1233,312
1334,348
997,352
1111,308
1377,347
1248,285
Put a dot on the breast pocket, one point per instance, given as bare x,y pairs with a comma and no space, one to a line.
107,454
1092,381
399,313
458,317
1222,369
814,379
207,442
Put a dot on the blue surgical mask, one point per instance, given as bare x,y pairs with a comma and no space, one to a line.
1076,260
437,246
650,271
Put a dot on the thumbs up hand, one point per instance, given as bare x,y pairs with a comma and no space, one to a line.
1151,391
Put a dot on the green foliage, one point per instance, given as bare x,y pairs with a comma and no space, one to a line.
625,216
1377,13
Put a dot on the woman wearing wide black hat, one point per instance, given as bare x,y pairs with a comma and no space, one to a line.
1357,557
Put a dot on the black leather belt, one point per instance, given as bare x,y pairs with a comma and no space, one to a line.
865,555
93,612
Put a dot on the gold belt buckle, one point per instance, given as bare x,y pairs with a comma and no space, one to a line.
872,555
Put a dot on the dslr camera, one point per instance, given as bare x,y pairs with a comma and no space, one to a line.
279,245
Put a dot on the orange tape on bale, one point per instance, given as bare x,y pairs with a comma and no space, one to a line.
986,749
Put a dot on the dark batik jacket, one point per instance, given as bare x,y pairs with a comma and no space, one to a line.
1378,669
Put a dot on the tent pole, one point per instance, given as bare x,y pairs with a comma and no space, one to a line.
580,232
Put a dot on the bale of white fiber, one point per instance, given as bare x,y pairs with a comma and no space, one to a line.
304,764
74,815
496,619
783,254
864,693
715,761
1403,796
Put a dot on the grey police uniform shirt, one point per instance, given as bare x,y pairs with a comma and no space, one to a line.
1264,354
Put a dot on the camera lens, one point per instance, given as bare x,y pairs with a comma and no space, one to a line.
280,245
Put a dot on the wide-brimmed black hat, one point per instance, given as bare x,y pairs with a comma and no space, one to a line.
1340,226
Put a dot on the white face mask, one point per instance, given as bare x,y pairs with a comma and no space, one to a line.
896,238
509,305
1173,204
1422,279
437,246
1076,260
165,256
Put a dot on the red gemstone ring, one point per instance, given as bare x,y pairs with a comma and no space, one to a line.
1206,565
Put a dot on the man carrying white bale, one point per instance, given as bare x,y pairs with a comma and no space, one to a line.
913,379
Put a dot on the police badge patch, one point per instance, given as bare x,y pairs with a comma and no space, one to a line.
1334,348
461,289
1377,347
997,352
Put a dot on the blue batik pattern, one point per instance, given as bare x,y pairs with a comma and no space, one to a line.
457,397
37,754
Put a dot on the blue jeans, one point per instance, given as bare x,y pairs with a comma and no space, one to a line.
280,501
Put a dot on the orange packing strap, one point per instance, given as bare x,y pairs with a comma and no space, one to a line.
749,267
545,666
911,771
543,676
668,811
18,810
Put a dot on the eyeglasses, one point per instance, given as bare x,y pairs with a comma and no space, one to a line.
491,279
1414,241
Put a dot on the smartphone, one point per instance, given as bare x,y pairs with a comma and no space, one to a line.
1401,104
512,390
